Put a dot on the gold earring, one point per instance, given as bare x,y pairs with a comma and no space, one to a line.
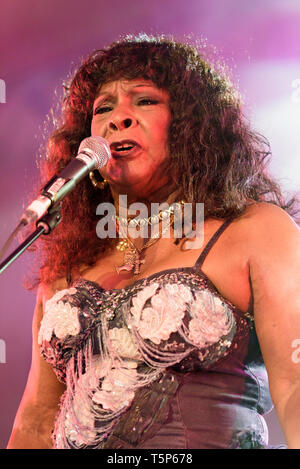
97,183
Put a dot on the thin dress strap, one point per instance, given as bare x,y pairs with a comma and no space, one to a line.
212,241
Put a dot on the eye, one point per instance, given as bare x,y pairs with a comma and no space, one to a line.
102,109
147,101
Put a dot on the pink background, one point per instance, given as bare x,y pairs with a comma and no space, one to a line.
40,41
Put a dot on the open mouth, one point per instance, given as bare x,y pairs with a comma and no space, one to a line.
124,147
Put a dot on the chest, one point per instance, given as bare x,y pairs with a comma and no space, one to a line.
226,265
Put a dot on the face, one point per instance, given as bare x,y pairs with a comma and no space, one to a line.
134,117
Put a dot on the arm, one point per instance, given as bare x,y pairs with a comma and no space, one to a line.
274,264
35,417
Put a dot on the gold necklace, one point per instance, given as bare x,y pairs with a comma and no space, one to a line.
141,222
132,255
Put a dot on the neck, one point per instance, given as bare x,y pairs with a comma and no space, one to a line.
165,194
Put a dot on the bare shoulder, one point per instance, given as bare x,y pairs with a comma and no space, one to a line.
260,212
265,224
273,251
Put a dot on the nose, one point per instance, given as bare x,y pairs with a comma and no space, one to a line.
122,119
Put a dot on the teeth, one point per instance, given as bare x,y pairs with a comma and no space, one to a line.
123,146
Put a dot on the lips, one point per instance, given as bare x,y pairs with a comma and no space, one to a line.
124,148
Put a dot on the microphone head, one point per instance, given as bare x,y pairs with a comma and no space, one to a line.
97,148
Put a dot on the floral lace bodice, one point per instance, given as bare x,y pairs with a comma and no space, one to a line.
107,344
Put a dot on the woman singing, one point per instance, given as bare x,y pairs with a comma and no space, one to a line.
149,342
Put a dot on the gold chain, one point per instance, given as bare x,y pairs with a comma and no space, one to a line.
132,255
162,215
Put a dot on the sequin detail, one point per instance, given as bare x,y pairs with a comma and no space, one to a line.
126,341
248,439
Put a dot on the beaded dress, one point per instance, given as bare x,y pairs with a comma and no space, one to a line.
166,362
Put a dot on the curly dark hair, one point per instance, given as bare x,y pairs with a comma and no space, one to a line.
215,156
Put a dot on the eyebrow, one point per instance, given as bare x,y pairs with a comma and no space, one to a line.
105,94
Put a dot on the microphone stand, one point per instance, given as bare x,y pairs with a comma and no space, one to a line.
43,226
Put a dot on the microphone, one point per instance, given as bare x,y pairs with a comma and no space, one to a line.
93,153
